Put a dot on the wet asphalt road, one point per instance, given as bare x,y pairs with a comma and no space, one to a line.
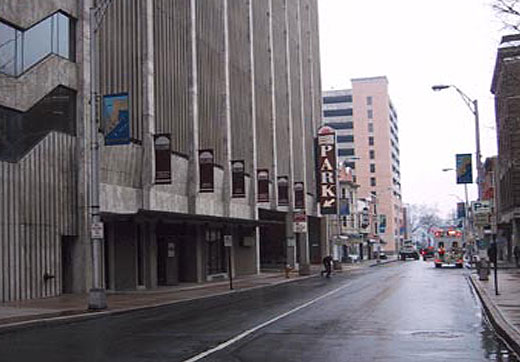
405,311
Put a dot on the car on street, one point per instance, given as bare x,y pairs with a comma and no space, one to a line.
408,250
427,253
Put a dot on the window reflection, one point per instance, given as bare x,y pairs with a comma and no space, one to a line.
20,50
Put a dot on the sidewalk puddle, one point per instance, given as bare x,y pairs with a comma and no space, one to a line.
494,347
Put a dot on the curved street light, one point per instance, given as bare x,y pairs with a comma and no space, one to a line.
473,107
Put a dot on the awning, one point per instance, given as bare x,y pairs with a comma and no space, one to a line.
177,217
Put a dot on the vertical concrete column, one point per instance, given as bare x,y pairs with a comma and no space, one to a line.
83,265
274,167
291,237
226,186
304,237
193,145
148,161
253,187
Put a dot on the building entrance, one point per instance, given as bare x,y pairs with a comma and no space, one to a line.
168,248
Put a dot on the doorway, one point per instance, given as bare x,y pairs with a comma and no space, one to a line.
167,260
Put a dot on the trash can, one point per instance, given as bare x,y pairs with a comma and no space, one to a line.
483,269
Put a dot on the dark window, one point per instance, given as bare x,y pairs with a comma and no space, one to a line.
20,50
346,152
341,125
370,127
372,167
372,154
337,99
370,141
19,131
370,114
369,101
348,138
337,112
352,165
372,181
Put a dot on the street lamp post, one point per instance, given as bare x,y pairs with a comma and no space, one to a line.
473,107
97,296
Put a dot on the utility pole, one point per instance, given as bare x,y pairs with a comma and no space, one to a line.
96,297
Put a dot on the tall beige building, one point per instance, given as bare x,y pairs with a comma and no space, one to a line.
367,140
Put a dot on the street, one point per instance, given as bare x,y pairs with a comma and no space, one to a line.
403,311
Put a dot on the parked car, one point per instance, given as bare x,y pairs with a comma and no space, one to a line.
428,253
382,255
408,251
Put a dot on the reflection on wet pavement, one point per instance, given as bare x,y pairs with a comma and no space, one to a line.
494,347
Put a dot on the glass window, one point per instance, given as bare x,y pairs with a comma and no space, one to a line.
372,154
352,165
370,114
63,31
337,99
7,49
370,127
337,112
372,167
370,141
346,152
369,101
341,125
20,50
348,138
372,181
37,42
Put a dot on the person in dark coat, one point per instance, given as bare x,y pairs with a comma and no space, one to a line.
492,253
327,264
516,253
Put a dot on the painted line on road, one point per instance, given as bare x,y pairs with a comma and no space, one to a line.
260,326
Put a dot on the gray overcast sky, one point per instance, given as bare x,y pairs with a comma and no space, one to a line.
416,44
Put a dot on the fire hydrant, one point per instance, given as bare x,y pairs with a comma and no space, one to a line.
288,270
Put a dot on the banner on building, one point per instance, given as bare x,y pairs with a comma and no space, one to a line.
326,157
283,191
464,174
115,118
163,163
262,177
461,210
206,162
299,195
382,223
238,184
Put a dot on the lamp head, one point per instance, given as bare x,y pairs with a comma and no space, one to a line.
440,87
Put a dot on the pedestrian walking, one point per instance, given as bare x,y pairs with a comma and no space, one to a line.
516,253
492,253
327,264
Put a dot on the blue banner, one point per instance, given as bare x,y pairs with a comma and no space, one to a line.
464,175
116,119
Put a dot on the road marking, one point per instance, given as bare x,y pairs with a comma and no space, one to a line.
260,326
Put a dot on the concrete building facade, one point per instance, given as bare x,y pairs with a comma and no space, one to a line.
231,91
367,140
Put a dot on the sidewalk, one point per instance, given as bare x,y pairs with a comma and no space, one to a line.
503,310
70,307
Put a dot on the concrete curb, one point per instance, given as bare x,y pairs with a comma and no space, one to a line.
509,333
384,262
72,316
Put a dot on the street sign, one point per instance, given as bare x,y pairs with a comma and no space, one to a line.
299,222
96,230
482,219
481,207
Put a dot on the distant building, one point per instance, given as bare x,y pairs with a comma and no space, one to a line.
367,130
